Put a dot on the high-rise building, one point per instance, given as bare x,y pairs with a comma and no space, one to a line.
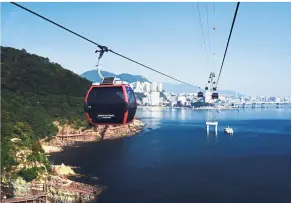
181,99
154,87
159,88
147,87
208,97
154,98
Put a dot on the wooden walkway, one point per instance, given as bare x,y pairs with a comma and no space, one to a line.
70,135
38,198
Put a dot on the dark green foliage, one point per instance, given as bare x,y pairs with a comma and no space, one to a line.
35,92
48,167
28,174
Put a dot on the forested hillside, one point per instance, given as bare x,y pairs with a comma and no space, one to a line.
35,92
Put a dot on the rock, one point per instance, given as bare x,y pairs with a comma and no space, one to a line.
63,170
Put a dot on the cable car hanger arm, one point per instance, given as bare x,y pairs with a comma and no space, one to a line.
101,52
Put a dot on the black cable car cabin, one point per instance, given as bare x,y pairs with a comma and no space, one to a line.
110,104
200,94
215,95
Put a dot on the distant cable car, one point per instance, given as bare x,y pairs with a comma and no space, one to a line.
110,104
215,95
200,94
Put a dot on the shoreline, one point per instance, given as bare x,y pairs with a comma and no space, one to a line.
64,141
74,137
187,108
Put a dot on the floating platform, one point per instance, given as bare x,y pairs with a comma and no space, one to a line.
212,123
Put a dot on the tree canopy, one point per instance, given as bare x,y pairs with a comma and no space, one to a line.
35,92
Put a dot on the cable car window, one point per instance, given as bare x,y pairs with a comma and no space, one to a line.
131,95
108,95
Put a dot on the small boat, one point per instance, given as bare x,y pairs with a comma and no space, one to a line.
228,130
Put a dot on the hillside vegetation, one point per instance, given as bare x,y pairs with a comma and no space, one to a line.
35,92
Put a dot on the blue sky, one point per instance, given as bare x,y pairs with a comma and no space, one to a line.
165,36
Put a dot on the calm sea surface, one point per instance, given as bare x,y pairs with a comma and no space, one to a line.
174,160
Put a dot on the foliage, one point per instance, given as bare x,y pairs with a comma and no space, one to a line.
29,174
35,92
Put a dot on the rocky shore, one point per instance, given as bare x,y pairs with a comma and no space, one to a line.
57,186
69,137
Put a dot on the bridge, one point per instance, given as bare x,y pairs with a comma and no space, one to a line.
261,104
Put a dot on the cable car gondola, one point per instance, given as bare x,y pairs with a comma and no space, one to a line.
200,94
215,95
110,104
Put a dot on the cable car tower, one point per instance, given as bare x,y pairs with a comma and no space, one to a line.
211,97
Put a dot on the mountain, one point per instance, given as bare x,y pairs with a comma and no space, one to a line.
168,87
179,88
35,92
93,76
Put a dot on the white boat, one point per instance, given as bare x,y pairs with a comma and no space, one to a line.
228,130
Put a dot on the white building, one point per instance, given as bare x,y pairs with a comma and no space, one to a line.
139,87
208,97
154,98
182,99
222,98
147,87
159,88
154,87
278,99
146,100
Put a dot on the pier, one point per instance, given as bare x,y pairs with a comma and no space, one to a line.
212,123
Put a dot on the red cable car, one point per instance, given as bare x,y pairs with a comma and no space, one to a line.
110,104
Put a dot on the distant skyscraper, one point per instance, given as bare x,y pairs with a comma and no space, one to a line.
155,98
208,97
154,87
147,87
159,87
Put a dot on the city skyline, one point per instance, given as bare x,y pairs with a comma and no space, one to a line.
259,50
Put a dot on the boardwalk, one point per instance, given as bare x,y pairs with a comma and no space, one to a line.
38,198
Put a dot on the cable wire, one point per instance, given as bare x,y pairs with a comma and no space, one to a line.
234,18
100,46
202,30
214,37
208,33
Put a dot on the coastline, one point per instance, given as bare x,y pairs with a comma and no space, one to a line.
69,189
187,108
